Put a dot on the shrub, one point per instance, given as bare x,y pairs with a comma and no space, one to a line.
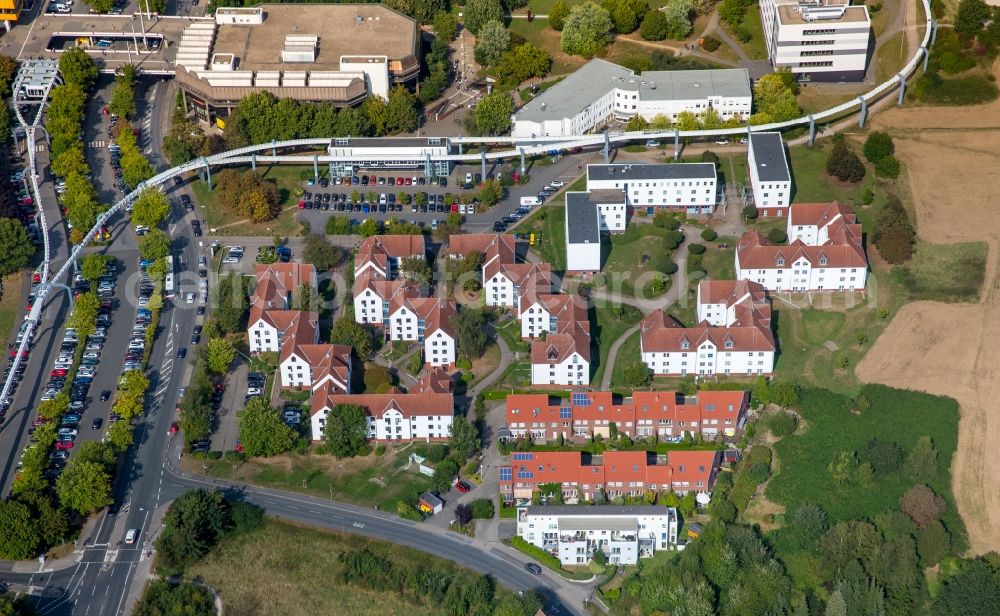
482,509
710,44
709,235
868,197
781,423
758,473
877,146
750,212
777,236
708,156
696,249
844,164
887,167
922,505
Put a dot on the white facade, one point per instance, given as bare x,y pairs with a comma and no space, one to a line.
599,90
801,275
296,372
439,349
691,187
585,257
369,308
575,534
393,426
536,319
264,337
818,42
574,370
707,360
770,175
499,291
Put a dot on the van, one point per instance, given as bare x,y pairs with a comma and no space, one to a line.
131,535
530,201
104,43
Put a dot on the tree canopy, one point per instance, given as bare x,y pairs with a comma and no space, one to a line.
493,113
151,208
15,246
587,30
345,430
262,432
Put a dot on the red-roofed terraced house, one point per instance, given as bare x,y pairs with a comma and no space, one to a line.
615,474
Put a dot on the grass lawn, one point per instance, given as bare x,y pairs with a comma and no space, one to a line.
606,327
635,260
540,34
288,178
364,481
944,272
810,182
816,97
627,354
720,263
10,304
295,570
893,415
890,56
548,223
756,47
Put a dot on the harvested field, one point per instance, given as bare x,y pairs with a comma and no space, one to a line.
948,349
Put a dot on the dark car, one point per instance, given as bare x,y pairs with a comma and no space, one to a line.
201,310
182,353
105,395
195,339
96,424
533,568
499,226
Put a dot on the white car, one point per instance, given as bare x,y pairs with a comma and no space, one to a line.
189,298
92,355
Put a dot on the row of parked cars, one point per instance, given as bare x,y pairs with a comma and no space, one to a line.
372,180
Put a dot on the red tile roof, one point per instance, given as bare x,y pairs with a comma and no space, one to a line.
436,381
662,334
557,348
275,283
729,292
694,467
461,245
291,324
375,405
844,249
818,214
386,290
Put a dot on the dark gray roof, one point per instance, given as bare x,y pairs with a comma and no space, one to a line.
769,156
602,510
582,223
675,171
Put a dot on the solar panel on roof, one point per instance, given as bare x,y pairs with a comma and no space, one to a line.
581,400
565,413
505,473
525,475
523,456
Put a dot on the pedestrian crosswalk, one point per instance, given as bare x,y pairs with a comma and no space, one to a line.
100,143
40,147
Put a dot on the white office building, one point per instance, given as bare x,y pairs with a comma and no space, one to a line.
583,229
600,90
687,187
573,534
770,175
823,40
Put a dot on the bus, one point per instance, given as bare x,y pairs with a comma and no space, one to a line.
168,280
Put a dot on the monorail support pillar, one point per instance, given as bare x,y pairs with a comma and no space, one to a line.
934,29
864,111
253,161
482,160
902,88
208,172
522,161
607,148
274,148
316,169
812,130
677,143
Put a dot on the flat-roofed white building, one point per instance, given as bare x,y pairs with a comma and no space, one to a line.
574,534
583,232
824,40
600,89
770,175
688,187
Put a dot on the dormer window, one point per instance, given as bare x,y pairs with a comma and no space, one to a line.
685,344
823,260
780,261
729,344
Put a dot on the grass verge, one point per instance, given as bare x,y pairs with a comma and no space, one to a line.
287,178
548,560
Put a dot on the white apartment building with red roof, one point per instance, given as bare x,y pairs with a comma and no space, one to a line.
825,252
427,320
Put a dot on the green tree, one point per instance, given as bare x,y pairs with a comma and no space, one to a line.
320,252
345,430
162,597
491,43
922,462
220,355
70,161
347,332
836,606
626,14
77,68
401,111
733,11
558,14
843,467
122,102
84,316
120,435
445,26
637,374
8,68
587,30
306,298
878,145
970,17
463,441
470,332
655,26
922,505
154,245
15,246
193,525
151,208
887,167
479,12
894,234
19,539
93,266
774,100
973,591
677,15
844,164
262,432
232,304
933,544
493,113
84,486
